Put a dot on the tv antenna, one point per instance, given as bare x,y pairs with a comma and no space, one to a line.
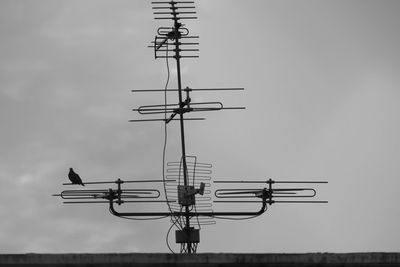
187,183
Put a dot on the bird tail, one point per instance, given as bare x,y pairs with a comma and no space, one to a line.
82,184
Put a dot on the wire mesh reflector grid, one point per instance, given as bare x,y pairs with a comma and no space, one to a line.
197,173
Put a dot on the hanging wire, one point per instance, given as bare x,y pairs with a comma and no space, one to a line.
197,217
165,127
175,222
166,238
169,230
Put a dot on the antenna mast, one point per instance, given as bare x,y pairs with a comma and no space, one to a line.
188,182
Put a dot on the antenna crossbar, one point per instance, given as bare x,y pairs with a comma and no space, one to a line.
172,2
125,181
268,181
190,89
171,13
166,120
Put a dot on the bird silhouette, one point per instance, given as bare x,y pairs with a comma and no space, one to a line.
74,177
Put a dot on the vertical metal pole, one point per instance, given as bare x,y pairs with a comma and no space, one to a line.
178,67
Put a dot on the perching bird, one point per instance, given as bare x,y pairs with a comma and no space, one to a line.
74,177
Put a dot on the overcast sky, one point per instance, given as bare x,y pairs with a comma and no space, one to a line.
322,98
